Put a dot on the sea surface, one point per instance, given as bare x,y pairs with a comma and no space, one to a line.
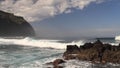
31,52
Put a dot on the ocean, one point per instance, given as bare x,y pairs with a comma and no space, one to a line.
29,52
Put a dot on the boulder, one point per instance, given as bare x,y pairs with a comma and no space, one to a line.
71,56
72,49
58,61
86,46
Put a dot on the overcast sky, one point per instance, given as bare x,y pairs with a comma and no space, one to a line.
68,18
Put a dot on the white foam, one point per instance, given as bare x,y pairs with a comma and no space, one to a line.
117,38
39,42
77,64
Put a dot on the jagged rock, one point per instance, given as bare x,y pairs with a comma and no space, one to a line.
107,46
56,63
11,25
70,56
95,52
98,42
72,49
86,46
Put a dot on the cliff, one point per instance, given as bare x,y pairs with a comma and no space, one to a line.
11,25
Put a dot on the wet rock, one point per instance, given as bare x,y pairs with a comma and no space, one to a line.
86,46
71,56
95,52
49,63
72,49
58,61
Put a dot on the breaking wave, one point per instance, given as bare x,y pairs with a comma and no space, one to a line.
28,41
117,38
41,51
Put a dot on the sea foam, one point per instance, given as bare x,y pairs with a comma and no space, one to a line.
39,42
117,38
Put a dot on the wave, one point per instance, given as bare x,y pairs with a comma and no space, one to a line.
117,38
28,41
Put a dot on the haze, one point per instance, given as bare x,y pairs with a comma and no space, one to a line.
68,18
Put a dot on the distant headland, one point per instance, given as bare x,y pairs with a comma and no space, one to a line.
11,25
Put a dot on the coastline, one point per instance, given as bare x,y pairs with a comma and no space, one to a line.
96,53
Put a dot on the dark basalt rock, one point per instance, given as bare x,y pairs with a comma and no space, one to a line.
86,46
72,49
95,52
11,25
70,56
56,63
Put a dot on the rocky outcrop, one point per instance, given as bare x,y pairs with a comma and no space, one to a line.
94,52
56,63
11,25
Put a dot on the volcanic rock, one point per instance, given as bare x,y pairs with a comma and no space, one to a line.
56,63
95,52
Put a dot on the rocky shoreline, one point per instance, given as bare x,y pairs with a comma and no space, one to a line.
96,52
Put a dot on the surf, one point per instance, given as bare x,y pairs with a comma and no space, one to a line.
46,43
117,38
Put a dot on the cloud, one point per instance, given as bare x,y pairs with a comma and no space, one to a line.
37,10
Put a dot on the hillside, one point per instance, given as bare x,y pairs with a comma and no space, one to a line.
11,25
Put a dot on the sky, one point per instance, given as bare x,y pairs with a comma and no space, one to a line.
68,18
